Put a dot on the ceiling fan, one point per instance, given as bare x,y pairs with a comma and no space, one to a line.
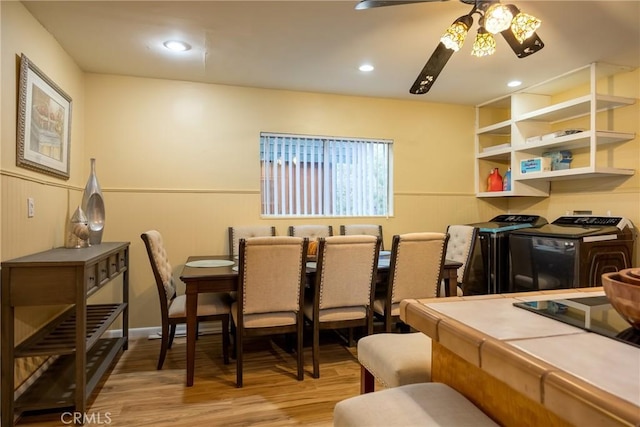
517,28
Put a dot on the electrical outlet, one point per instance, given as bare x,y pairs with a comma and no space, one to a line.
31,208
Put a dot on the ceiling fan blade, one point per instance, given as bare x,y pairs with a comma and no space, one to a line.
529,47
368,4
431,70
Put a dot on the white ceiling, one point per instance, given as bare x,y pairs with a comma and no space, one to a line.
317,46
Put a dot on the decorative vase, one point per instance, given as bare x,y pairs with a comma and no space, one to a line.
494,182
93,206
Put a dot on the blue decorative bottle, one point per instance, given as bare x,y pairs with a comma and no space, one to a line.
506,180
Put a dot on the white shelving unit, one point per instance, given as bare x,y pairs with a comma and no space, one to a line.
513,128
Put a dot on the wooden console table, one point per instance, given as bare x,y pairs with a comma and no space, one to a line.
63,276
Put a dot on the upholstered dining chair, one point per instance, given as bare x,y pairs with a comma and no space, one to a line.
366,229
211,306
415,271
394,360
312,232
344,287
270,292
246,231
423,404
462,240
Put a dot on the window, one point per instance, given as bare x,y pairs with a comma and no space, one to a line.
324,176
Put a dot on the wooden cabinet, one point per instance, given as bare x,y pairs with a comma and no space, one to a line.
79,354
531,122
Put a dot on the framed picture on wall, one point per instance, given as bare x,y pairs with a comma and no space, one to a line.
44,123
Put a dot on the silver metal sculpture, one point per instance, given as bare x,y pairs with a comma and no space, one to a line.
93,206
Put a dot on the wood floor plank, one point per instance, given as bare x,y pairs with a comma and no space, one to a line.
134,393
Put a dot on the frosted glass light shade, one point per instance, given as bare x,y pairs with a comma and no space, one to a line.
454,37
484,45
524,25
497,18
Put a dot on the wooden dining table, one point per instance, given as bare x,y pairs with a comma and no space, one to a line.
199,280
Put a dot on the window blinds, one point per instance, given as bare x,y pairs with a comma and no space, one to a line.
321,176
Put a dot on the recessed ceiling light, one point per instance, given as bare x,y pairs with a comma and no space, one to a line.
177,46
366,68
514,83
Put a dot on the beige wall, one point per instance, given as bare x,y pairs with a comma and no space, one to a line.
21,235
183,158
20,33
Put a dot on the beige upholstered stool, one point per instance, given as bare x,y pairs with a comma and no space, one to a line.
426,404
394,359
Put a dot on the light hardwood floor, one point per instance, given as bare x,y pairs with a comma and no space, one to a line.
134,393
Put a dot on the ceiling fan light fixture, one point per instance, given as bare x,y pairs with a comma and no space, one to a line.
484,45
518,29
524,25
497,18
453,38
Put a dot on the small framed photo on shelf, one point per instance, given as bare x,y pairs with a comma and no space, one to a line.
44,123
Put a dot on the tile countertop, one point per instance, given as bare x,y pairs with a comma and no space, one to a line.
561,366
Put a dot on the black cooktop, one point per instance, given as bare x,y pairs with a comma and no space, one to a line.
594,314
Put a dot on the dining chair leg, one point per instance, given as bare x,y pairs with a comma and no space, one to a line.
388,322
367,381
233,339
300,350
164,344
370,325
225,339
238,359
172,334
316,351
350,339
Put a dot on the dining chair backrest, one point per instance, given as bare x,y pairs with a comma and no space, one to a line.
363,229
272,274
160,266
416,265
245,232
462,239
313,232
346,271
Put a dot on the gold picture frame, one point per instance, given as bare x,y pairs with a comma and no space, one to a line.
44,123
